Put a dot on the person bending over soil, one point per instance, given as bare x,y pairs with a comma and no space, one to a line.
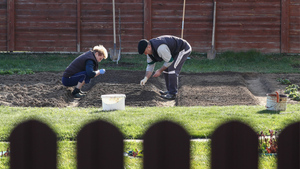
174,52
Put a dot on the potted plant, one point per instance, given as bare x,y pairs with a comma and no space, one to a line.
268,145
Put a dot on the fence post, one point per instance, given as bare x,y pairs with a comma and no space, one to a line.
147,19
234,146
289,147
11,19
78,40
285,26
33,145
166,145
100,145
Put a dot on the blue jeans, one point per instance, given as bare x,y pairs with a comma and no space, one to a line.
73,80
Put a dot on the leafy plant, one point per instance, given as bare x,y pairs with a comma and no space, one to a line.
134,153
283,81
268,144
293,92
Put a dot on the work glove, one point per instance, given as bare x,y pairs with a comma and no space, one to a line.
143,82
102,71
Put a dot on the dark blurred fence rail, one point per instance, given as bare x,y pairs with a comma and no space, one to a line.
269,26
234,145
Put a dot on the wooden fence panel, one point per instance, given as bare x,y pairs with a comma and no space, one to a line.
100,145
45,25
294,26
166,145
167,19
97,24
289,147
285,25
33,145
245,25
269,26
3,25
234,145
11,25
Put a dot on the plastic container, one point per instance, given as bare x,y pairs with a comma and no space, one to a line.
276,102
113,101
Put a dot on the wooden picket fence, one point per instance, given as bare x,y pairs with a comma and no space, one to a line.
234,145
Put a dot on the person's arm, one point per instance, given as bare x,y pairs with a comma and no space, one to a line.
89,68
149,70
164,52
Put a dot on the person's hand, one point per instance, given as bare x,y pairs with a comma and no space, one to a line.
143,82
102,71
157,73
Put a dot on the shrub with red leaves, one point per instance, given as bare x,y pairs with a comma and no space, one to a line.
268,144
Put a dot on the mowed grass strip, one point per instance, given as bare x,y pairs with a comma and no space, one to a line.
199,122
248,61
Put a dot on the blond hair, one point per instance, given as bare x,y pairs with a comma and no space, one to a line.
101,49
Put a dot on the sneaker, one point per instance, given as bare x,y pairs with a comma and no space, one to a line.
161,92
169,96
82,92
78,95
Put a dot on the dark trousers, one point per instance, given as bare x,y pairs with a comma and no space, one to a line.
172,73
78,77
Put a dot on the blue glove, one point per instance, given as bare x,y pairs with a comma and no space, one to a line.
102,71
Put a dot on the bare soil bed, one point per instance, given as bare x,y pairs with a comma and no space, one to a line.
195,89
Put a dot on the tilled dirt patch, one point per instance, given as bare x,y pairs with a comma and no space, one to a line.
195,89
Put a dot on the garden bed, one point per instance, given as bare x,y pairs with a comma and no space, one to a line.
195,89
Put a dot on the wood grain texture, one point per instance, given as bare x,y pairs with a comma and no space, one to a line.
77,25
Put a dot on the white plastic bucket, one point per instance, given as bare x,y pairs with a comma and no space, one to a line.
276,102
113,101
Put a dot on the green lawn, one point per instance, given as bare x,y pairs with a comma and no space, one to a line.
228,61
199,122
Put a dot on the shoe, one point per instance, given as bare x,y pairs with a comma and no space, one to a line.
78,95
82,92
169,96
161,92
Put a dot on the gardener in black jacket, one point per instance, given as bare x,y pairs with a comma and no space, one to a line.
174,52
83,68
